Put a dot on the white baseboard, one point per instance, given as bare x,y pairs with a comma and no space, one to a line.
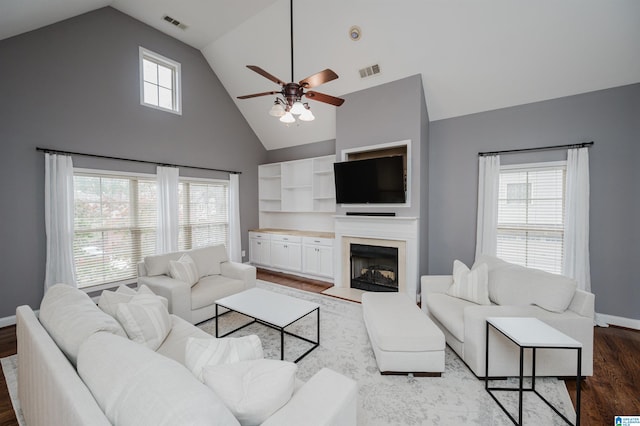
7,321
619,321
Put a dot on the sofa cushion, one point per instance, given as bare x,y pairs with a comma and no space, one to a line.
158,264
145,319
137,387
213,287
184,269
174,346
252,390
471,285
511,284
201,353
208,259
70,317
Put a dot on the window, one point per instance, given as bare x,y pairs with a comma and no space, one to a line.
203,213
531,215
116,221
159,82
115,226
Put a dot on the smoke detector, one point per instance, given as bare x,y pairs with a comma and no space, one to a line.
355,33
174,22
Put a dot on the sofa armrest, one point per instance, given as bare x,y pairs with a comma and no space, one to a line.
177,292
433,284
328,398
239,271
583,304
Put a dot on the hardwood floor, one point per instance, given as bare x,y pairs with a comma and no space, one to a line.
613,390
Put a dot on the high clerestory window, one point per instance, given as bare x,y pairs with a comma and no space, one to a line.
159,82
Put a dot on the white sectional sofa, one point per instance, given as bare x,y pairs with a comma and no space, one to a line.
217,277
76,367
513,291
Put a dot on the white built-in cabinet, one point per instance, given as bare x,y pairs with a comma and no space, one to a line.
297,186
317,256
308,256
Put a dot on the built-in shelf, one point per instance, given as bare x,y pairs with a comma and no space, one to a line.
297,186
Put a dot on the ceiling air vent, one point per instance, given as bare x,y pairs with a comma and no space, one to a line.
175,22
369,71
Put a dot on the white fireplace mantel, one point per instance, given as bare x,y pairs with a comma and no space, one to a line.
391,228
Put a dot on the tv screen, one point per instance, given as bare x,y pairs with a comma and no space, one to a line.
371,181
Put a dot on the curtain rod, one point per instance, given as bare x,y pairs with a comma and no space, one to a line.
543,148
55,151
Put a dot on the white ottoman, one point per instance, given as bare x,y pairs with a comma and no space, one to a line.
404,339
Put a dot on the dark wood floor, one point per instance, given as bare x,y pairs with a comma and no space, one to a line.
613,390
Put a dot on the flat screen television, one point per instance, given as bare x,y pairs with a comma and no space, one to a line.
371,181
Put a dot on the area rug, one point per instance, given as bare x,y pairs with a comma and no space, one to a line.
456,398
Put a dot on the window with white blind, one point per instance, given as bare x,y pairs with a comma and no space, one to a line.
115,226
531,215
203,213
116,221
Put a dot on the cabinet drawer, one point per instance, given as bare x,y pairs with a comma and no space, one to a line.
286,238
318,241
260,235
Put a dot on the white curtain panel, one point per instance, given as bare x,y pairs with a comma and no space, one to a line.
168,226
576,224
59,216
488,184
235,244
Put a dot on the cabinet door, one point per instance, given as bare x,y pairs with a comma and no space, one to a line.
295,256
279,255
310,260
259,252
325,261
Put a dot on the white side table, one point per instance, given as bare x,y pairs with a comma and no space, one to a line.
531,333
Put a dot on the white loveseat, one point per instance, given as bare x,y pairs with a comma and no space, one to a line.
217,278
122,382
514,291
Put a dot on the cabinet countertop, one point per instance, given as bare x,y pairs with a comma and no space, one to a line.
300,233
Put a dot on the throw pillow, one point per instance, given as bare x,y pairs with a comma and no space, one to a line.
471,285
184,269
138,387
200,353
145,319
109,300
252,390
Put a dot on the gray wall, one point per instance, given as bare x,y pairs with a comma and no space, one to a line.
74,86
610,118
316,149
390,112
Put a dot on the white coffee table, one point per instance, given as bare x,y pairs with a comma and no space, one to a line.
531,333
273,310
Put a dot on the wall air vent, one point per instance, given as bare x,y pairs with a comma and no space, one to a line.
175,22
369,71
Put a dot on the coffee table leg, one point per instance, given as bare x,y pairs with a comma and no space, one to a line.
282,344
217,319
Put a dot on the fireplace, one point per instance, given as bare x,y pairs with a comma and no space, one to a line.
374,268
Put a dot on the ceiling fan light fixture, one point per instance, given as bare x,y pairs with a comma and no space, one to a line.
277,110
307,115
288,118
297,108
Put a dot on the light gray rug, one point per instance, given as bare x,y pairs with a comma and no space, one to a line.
457,397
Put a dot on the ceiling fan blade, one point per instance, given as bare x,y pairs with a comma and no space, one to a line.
321,97
255,95
266,74
318,78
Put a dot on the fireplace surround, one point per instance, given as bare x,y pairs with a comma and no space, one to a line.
394,232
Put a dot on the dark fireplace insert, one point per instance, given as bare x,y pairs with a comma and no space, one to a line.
374,268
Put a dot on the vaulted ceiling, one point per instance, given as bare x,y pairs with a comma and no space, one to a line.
472,55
